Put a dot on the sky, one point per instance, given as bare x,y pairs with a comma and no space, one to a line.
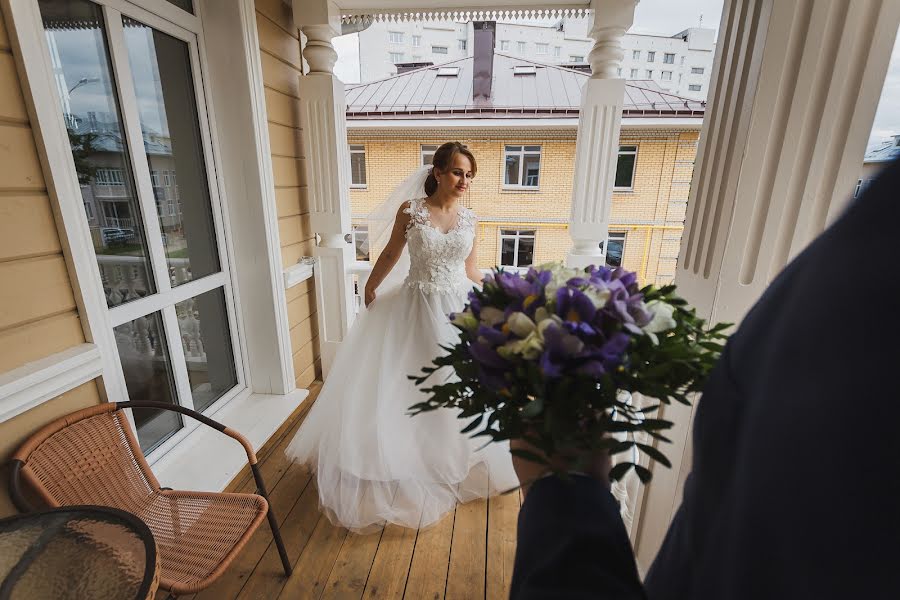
669,17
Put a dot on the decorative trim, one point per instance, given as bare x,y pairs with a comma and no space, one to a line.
297,274
555,127
30,385
392,15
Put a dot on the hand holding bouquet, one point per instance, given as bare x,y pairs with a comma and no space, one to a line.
547,357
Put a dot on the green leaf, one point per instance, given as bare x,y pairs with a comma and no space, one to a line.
620,470
643,473
472,425
654,454
527,455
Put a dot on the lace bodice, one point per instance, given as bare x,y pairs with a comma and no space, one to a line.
438,259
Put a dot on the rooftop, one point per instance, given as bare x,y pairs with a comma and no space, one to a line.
520,88
884,152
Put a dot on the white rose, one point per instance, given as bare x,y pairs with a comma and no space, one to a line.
546,322
560,274
520,324
530,348
598,298
490,316
662,319
466,320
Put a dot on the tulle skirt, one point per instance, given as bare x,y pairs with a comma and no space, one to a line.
374,463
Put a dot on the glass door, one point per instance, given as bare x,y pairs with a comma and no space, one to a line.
130,96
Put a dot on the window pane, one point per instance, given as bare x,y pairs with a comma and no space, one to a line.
532,169
614,251
164,85
358,168
532,148
90,109
206,339
625,171
526,251
512,169
148,377
183,4
361,241
508,252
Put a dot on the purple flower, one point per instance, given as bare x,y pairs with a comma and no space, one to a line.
487,356
493,337
549,367
573,305
614,348
491,380
592,368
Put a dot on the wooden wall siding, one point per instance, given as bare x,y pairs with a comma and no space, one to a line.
282,66
37,307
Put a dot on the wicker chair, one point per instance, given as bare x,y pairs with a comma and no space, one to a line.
92,457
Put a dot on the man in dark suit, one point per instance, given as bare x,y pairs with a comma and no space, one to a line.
795,485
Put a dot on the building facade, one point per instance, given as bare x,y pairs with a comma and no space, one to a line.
521,123
524,222
680,64
875,160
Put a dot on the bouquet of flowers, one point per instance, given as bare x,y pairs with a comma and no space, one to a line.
547,356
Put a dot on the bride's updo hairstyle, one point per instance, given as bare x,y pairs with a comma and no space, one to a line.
443,158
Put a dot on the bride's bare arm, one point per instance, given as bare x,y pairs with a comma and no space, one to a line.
389,256
472,270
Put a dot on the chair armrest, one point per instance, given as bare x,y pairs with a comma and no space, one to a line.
15,486
251,454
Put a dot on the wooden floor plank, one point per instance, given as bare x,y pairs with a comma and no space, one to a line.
390,569
268,579
465,577
467,555
351,569
282,498
428,571
503,513
315,563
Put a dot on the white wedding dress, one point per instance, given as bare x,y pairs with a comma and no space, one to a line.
375,463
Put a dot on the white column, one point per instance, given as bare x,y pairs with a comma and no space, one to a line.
323,119
795,89
599,122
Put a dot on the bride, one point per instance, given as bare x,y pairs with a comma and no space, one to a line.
374,463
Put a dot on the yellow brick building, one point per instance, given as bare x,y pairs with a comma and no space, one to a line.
520,119
648,218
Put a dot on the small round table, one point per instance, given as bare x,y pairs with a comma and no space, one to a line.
77,552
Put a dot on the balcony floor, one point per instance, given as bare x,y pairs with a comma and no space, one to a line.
469,554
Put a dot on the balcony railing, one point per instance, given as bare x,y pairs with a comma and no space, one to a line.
120,222
115,190
361,269
124,279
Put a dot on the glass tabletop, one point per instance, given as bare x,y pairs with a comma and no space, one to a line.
77,552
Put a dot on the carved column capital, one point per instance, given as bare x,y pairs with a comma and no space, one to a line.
319,52
612,19
320,22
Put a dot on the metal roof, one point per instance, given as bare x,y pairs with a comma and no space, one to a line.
885,152
552,91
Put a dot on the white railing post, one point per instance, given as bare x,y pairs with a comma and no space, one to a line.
794,93
323,119
599,122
